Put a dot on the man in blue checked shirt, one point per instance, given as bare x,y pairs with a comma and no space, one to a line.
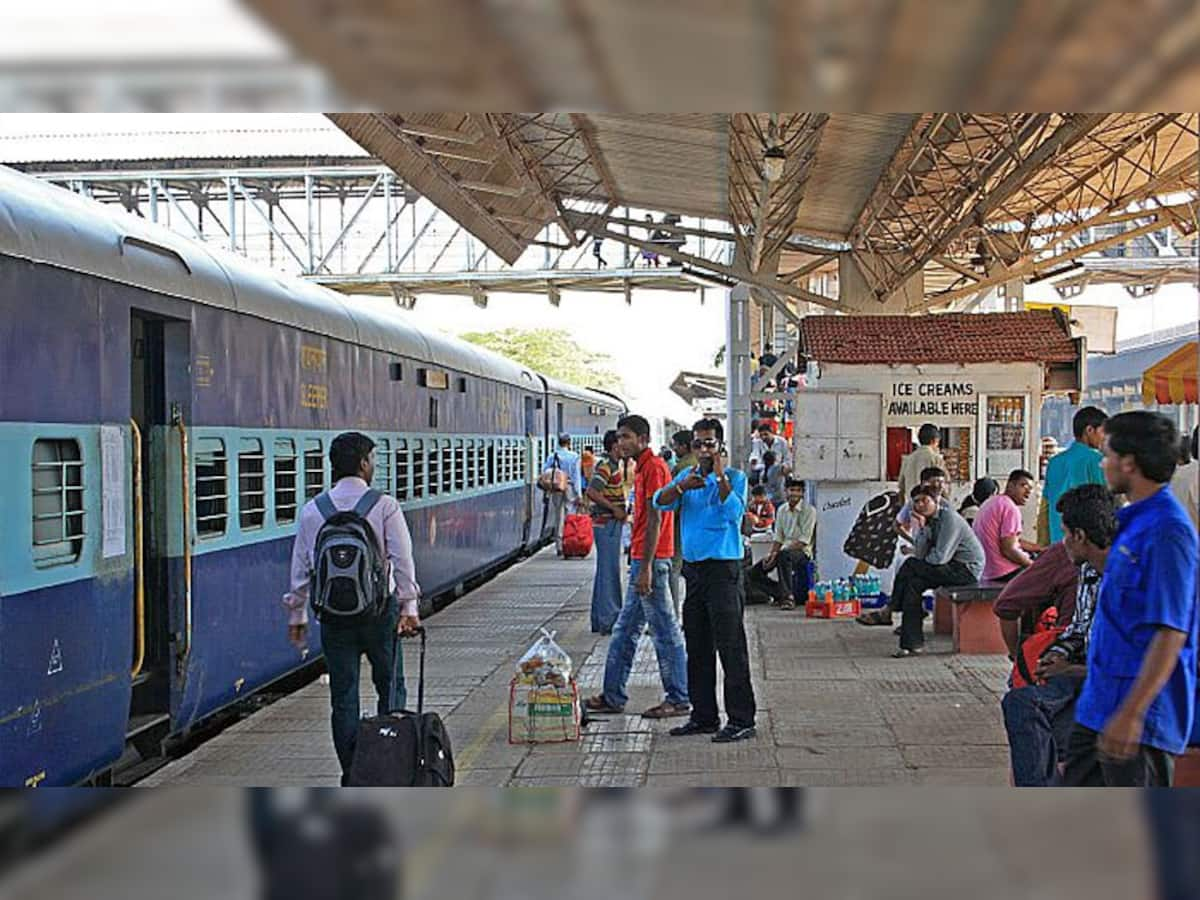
1138,703
712,501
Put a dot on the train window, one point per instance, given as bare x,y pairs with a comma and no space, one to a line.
314,468
433,468
462,385
460,465
418,469
470,468
212,487
396,371
383,466
402,467
481,463
57,502
447,467
521,460
433,412
491,461
285,481
252,484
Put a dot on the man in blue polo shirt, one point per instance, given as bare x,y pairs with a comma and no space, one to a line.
1138,703
1078,464
712,499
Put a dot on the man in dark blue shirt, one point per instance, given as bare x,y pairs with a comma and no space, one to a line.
712,500
1138,703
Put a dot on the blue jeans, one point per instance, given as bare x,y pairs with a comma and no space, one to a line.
658,610
606,587
1175,826
344,645
1039,719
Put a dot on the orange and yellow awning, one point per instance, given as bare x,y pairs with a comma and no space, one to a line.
1173,380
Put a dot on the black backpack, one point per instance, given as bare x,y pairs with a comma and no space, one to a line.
349,577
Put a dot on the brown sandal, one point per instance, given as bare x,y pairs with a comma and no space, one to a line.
789,603
599,705
875,617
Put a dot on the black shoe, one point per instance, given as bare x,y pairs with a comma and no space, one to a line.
689,727
731,733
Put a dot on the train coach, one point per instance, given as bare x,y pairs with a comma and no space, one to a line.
165,411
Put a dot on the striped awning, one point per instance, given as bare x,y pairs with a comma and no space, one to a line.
1173,379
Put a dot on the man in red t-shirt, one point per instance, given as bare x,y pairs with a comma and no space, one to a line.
648,597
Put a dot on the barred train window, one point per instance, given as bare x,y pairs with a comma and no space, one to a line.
212,487
252,484
285,481
383,466
433,469
402,470
57,502
469,466
481,463
447,467
418,466
314,468
492,468
460,465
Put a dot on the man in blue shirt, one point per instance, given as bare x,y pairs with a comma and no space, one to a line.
712,500
566,460
1078,464
1137,707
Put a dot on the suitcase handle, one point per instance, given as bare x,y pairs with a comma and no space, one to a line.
396,657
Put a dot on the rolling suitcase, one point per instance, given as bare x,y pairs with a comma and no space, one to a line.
403,749
577,536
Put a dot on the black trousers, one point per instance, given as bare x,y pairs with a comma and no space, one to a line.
1149,767
914,578
712,626
788,562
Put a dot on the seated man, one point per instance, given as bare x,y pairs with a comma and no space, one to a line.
998,527
933,478
1039,717
760,511
946,552
795,523
907,525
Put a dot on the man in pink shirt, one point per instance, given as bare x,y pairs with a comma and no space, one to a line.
998,527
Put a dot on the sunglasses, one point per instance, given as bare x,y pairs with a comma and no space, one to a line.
707,443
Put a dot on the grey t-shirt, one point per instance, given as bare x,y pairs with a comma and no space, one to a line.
948,538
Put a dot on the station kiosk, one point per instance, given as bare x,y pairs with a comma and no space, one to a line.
873,381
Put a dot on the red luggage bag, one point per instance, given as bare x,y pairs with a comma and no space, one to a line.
577,536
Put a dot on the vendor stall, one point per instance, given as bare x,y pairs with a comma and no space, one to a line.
873,381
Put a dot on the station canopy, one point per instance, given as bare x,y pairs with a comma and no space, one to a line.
913,212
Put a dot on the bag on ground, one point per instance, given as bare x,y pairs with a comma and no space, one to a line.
577,536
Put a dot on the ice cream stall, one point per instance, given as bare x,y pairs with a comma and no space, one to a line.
873,381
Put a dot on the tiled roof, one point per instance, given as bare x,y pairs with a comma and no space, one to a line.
1034,336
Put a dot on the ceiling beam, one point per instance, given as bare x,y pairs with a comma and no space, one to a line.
587,133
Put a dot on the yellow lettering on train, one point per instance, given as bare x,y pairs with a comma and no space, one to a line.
312,358
35,780
314,396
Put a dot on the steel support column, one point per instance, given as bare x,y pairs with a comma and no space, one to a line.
737,374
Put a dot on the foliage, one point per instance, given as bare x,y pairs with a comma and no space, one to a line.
552,352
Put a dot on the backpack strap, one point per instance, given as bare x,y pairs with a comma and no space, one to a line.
325,506
367,502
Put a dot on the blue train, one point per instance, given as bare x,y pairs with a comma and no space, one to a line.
165,410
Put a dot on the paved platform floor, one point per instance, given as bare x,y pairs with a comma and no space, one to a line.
834,708
479,844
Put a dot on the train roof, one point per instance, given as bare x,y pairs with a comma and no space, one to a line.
51,225
562,388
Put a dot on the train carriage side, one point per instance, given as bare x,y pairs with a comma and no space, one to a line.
126,351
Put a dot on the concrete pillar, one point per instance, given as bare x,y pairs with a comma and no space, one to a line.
1014,295
737,374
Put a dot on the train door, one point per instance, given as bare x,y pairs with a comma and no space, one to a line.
160,359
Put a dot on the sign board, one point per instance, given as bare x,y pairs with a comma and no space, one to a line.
112,491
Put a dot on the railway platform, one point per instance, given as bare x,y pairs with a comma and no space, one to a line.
834,709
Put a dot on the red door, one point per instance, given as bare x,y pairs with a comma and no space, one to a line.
899,444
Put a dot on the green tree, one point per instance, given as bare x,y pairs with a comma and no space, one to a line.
552,352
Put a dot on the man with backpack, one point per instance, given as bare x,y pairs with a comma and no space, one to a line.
353,563
562,482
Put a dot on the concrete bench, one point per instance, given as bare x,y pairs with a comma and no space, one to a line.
974,626
1187,769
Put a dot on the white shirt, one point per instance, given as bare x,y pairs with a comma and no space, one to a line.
778,445
1185,485
795,525
386,520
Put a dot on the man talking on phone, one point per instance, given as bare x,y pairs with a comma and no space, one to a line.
713,498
